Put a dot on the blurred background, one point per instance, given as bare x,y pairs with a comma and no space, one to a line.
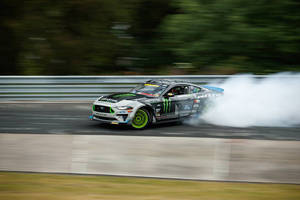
251,134
94,37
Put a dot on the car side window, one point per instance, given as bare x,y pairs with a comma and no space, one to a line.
179,90
195,89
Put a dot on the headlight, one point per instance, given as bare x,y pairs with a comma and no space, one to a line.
124,107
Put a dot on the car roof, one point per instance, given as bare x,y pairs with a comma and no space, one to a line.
167,82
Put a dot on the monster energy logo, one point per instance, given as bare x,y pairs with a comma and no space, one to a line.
167,105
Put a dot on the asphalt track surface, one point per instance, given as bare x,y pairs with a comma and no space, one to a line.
72,118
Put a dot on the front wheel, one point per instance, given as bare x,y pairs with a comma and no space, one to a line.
141,119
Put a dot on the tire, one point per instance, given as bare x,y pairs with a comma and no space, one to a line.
142,119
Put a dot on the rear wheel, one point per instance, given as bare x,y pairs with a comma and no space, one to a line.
141,119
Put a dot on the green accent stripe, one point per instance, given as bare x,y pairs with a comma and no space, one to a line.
125,95
111,110
167,101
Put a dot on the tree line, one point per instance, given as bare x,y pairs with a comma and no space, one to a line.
52,37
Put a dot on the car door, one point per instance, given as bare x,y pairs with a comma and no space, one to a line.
184,101
177,102
168,108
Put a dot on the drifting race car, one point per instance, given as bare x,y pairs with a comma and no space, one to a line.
154,101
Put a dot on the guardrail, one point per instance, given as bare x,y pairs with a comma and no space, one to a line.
85,87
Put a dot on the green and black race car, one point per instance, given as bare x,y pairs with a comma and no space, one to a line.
154,101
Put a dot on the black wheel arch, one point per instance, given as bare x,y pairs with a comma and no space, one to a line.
150,110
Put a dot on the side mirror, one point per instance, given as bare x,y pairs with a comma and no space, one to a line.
170,94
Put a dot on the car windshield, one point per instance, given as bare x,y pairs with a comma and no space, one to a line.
148,89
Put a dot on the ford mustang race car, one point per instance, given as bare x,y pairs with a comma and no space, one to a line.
154,101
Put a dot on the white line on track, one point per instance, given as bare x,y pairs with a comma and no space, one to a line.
168,133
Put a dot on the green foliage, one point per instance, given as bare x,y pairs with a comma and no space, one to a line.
241,36
9,43
73,37
149,36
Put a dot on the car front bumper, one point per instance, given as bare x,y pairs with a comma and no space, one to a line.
109,121
119,117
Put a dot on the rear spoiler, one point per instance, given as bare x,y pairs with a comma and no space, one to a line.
216,89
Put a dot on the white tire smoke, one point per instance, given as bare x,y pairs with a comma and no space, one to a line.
247,101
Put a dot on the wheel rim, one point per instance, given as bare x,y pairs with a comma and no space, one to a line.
140,119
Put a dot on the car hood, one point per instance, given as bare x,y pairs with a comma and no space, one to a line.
117,97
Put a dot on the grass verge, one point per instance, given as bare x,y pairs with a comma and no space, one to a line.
32,186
